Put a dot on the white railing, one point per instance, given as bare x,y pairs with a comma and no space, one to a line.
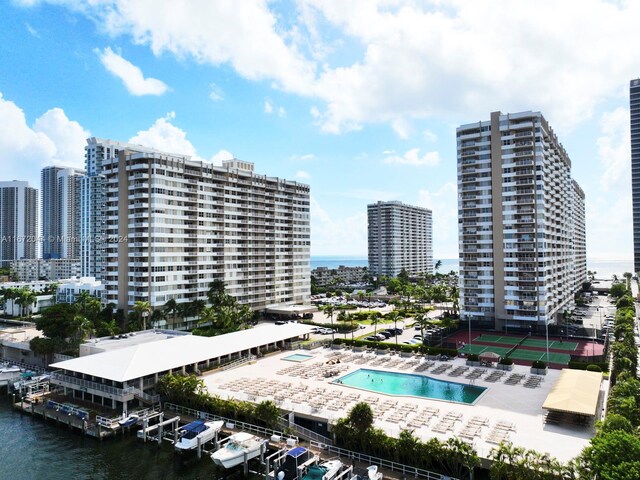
146,396
406,470
249,427
305,432
238,363
61,379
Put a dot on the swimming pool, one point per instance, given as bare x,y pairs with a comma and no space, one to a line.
298,357
406,384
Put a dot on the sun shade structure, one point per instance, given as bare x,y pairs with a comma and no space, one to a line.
576,392
489,357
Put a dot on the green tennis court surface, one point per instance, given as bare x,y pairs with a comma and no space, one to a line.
555,344
519,353
531,355
478,349
498,339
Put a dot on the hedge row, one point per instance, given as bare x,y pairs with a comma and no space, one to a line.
604,366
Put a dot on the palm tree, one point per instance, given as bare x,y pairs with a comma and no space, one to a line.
422,320
26,298
437,266
171,307
393,316
82,299
375,319
84,327
142,309
328,311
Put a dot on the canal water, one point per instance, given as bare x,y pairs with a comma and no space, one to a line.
33,450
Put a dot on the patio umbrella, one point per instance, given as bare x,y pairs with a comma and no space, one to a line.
489,357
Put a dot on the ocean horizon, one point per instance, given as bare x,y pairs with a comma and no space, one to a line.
604,269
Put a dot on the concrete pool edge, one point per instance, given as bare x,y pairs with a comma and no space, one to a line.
338,382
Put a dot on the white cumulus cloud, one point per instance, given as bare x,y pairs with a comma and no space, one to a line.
165,136
25,150
412,157
131,75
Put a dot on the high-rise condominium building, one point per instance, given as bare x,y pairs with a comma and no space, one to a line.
173,225
400,238
634,91
60,207
93,199
18,221
521,222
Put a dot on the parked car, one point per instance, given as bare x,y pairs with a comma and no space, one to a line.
281,322
372,338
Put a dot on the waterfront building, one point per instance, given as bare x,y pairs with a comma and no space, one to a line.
521,222
400,238
173,225
69,289
324,276
634,110
18,221
115,373
29,270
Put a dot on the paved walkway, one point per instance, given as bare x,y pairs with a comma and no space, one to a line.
513,412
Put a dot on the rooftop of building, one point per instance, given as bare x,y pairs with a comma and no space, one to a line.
174,352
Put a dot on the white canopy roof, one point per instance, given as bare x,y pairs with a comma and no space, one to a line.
149,358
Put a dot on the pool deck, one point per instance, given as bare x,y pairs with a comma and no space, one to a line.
506,411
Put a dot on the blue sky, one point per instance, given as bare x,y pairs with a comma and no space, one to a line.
360,99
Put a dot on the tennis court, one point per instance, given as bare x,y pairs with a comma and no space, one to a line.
532,355
554,344
478,349
519,353
498,339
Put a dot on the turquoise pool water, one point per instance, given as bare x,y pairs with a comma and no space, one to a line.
298,357
392,383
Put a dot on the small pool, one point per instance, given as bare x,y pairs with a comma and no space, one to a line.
298,357
407,384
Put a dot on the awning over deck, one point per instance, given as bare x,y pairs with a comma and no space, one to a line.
576,392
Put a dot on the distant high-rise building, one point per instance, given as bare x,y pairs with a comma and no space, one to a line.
49,212
521,222
18,221
173,225
60,207
634,104
400,238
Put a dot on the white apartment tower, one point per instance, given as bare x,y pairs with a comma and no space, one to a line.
400,237
18,221
174,224
521,222
93,199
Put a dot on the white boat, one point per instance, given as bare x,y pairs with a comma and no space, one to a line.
10,369
239,447
127,421
323,471
190,434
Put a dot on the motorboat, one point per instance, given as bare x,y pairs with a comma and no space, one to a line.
128,420
371,473
239,447
295,462
10,369
326,470
196,433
